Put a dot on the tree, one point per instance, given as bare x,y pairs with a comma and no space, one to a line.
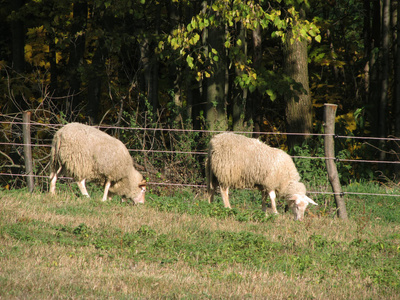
227,27
240,114
216,101
385,73
18,31
374,68
298,103
397,77
76,53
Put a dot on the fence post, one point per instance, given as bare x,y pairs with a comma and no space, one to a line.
329,123
26,132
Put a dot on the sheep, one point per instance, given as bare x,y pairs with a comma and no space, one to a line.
88,154
237,161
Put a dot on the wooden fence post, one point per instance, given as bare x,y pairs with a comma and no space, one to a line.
329,123
26,132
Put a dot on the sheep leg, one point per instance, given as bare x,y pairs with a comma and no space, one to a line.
211,184
210,193
53,180
272,196
211,196
106,188
264,196
82,188
225,196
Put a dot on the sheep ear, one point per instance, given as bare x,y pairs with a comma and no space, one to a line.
310,201
143,184
297,197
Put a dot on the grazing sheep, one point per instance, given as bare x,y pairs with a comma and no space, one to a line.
86,153
240,162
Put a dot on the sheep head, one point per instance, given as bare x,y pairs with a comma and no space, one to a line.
299,204
132,187
140,197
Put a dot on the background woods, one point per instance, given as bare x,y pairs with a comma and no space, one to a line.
239,65
162,76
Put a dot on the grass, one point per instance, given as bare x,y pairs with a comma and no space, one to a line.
179,246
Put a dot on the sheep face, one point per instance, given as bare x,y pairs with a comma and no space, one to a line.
140,197
136,194
132,187
298,205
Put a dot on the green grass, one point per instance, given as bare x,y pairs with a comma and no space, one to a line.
179,246
385,208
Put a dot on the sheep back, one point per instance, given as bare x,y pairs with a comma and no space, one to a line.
240,162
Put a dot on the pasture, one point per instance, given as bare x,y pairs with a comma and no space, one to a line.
177,246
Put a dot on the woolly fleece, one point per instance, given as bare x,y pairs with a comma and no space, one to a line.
240,162
85,152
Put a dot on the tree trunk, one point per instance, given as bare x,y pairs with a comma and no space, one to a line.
18,39
240,123
53,65
298,104
194,89
178,119
150,68
367,47
384,74
18,51
96,70
216,105
397,86
397,77
374,86
252,109
76,51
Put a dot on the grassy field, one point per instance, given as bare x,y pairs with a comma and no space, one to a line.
178,246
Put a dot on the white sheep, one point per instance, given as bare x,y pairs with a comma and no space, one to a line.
88,154
237,161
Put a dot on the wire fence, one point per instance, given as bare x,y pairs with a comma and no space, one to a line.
149,147
209,131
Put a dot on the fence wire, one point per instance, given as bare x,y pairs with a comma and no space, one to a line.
56,126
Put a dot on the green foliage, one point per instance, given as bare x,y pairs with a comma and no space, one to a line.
313,170
173,154
251,15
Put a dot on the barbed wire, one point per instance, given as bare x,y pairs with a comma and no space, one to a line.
214,131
